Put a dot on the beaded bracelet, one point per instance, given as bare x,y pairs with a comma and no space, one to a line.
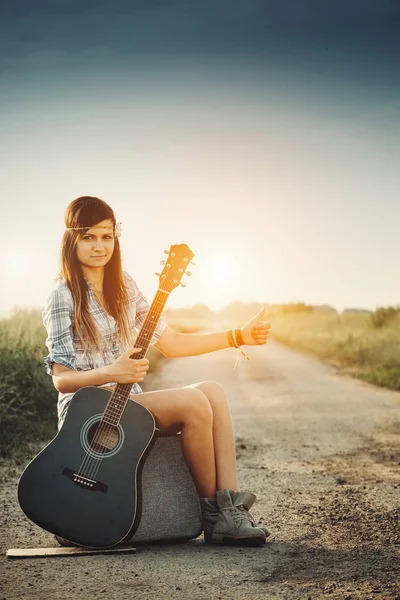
232,339
235,338
238,335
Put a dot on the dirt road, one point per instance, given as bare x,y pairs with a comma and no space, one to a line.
322,453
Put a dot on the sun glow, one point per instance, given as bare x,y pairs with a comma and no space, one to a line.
223,270
219,280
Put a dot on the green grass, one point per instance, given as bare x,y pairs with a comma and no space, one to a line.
27,395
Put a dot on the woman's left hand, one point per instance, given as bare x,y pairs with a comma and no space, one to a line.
256,332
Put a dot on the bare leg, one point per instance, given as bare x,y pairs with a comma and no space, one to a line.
223,435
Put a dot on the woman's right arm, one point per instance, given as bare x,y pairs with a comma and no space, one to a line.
123,370
67,381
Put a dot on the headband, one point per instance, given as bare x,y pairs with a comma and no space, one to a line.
117,228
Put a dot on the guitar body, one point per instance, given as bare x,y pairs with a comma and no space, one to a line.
85,484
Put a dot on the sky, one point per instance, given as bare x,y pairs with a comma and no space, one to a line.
265,135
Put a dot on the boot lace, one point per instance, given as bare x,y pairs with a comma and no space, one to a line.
248,515
238,514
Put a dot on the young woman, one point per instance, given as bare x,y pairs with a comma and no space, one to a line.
89,318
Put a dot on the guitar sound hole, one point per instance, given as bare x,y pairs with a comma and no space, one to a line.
103,438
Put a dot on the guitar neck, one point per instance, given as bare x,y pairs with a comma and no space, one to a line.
120,395
150,324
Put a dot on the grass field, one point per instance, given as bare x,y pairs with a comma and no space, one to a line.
349,341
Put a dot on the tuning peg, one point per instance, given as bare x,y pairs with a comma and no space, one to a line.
183,284
158,274
162,262
166,251
192,262
188,273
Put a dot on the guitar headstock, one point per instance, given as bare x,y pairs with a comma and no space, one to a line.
179,257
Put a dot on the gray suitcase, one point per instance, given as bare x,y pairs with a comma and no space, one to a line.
170,501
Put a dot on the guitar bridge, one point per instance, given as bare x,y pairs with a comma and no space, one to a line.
85,482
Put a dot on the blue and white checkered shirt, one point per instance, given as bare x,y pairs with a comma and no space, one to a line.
64,345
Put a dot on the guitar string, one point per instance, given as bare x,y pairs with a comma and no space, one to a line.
89,462
105,428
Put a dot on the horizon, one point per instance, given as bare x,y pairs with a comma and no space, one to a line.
21,308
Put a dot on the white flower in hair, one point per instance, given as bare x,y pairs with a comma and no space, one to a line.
118,229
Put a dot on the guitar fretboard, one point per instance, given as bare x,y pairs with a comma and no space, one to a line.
120,396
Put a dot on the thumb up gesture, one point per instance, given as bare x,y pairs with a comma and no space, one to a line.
255,331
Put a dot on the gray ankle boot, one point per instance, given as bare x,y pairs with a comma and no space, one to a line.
244,501
227,521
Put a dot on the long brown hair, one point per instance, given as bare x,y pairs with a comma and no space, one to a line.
87,211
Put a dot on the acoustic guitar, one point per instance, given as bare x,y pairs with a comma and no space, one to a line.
85,485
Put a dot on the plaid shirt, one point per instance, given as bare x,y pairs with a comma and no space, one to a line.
64,345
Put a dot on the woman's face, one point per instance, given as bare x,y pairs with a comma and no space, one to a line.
95,247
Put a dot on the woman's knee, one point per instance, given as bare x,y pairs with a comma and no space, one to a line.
197,406
215,393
